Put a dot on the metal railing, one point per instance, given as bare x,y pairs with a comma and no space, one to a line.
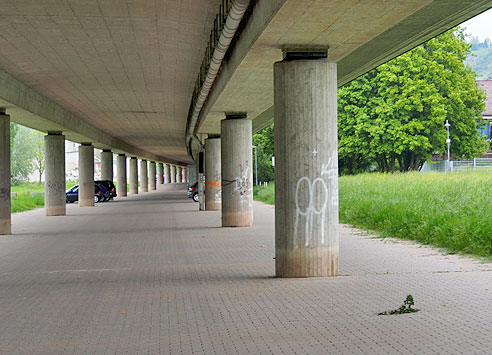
458,165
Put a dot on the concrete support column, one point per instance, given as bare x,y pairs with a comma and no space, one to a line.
107,165
152,181
86,175
167,174
133,176
160,173
144,178
55,200
121,176
5,209
192,174
306,171
237,171
179,177
173,174
213,176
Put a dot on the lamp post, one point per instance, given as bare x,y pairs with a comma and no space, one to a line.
448,141
256,166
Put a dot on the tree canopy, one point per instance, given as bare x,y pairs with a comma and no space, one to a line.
393,117
264,143
27,152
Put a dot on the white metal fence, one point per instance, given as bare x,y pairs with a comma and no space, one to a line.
458,165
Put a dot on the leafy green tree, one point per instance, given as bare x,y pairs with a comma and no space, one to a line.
264,143
22,154
393,117
38,152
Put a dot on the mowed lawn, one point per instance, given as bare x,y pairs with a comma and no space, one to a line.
450,210
29,195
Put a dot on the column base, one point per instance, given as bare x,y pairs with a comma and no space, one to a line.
244,219
56,211
307,262
5,227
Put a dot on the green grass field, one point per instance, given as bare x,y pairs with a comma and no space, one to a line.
29,195
453,211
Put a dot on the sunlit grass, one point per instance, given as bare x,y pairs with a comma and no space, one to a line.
29,195
453,211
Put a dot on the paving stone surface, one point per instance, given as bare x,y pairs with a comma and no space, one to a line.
150,274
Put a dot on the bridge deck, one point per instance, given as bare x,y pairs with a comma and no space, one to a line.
150,274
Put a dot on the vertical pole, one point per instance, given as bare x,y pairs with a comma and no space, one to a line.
167,174
173,174
237,170
152,181
121,185
54,190
160,173
86,175
5,202
144,179
213,180
133,176
107,165
306,172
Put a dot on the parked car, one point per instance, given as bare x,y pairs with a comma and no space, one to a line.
109,186
72,194
193,192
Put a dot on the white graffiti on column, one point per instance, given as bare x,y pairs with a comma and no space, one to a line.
242,184
311,211
331,170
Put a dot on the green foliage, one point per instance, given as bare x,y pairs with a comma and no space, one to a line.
406,307
264,143
393,117
29,195
265,194
27,153
445,210
481,58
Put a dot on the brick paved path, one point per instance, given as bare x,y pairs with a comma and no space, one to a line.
150,274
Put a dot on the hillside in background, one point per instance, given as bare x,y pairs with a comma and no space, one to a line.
481,58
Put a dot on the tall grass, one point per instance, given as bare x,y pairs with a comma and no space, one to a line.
265,194
453,211
29,195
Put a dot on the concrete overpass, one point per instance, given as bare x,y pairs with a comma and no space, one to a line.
161,81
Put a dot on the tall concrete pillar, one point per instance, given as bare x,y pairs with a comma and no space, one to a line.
86,175
107,165
192,174
121,188
173,174
133,176
179,176
160,173
167,174
213,177
237,171
55,200
5,209
306,171
152,175
144,178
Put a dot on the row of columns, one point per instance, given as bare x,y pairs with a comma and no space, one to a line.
306,171
229,171
55,182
